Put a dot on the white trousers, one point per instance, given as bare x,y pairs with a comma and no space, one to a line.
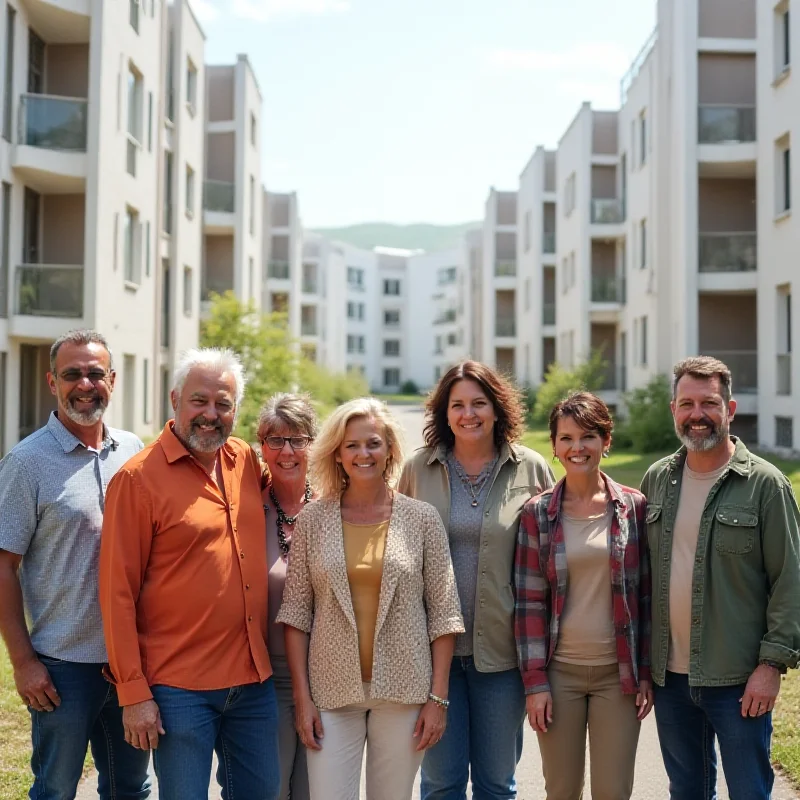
334,772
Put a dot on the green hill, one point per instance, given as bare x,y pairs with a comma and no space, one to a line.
421,236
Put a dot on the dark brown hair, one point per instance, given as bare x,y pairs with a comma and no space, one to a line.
703,367
588,411
501,392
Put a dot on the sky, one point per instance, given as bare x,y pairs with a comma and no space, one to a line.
409,110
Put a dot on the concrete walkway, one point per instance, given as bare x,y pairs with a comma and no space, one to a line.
651,780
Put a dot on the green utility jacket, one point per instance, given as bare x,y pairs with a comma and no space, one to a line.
522,474
746,582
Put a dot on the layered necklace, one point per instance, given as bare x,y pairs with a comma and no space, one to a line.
474,483
282,519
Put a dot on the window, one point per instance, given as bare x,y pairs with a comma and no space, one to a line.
252,206
8,89
784,175
251,270
784,432
189,192
572,269
783,38
643,244
391,347
391,377
188,289
355,344
527,231
643,329
132,244
146,248
642,138
569,195
134,131
168,159
133,14
391,318
527,294
146,387
351,311
191,86
5,233
149,122
391,286
355,278
452,339
253,129
784,339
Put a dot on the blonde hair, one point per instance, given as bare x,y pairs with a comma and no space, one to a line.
327,475
292,410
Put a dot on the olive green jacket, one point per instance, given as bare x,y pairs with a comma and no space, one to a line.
520,475
746,581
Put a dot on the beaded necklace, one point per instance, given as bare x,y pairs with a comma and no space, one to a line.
474,487
282,519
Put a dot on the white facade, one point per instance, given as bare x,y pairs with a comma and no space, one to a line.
82,162
282,257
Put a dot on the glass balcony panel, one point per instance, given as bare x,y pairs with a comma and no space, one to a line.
279,270
728,252
549,314
219,196
549,242
53,123
607,289
505,327
743,365
505,268
718,124
49,290
784,374
607,211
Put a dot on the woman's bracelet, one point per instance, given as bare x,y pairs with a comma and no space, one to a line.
440,701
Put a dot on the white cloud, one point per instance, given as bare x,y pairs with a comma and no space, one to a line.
602,57
205,10
265,10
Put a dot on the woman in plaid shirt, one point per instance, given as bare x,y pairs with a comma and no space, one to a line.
582,618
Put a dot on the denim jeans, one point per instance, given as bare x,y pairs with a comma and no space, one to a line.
483,736
688,718
89,714
240,724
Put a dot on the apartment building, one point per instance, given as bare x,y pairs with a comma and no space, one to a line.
778,274
472,266
232,194
536,265
498,282
282,256
99,117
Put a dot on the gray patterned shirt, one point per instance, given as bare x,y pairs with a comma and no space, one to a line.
52,496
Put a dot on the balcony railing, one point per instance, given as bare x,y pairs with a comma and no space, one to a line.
721,124
784,374
445,316
548,313
608,289
53,123
308,328
743,365
278,269
728,252
219,196
505,327
505,268
610,377
549,242
310,285
607,211
49,290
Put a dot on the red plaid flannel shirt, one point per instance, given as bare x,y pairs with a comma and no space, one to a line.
540,574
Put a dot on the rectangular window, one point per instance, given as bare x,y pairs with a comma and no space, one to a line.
351,311
527,231
190,182
527,294
252,206
642,138
251,268
391,347
391,318
784,432
391,377
191,86
644,341
643,244
188,290
5,256
8,88
146,386
391,286
133,14
783,37
569,195
134,130
132,247
786,176
149,122
168,162
253,129
355,278
146,247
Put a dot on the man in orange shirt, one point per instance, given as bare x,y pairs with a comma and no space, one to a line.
183,593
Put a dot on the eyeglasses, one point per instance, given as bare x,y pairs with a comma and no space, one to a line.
74,375
278,442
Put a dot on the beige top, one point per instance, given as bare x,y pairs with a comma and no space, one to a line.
586,633
364,546
695,487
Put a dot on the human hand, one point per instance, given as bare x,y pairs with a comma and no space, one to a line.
644,699
142,724
431,722
540,710
35,686
761,691
308,724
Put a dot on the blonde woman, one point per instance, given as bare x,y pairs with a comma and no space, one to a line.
371,612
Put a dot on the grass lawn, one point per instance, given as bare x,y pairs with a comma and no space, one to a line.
628,468
401,399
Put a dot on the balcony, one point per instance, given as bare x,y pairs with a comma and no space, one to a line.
549,314
505,268
608,289
505,328
549,242
445,317
308,328
48,299
310,285
784,374
610,378
743,365
728,252
278,270
60,21
720,124
607,211
219,196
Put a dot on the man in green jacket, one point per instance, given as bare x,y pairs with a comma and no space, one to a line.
724,533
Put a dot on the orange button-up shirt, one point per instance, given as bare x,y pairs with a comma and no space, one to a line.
183,572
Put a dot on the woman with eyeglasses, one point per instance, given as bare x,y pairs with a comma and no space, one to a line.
287,425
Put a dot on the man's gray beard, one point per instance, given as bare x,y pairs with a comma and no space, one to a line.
707,443
199,443
85,418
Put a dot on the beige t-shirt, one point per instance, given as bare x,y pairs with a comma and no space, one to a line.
695,488
586,632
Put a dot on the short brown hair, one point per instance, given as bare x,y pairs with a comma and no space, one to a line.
295,411
703,367
588,411
503,395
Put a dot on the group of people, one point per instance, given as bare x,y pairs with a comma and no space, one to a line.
288,607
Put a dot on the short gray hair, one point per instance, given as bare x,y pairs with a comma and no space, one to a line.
295,411
79,336
704,368
216,358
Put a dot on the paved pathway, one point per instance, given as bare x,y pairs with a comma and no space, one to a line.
651,780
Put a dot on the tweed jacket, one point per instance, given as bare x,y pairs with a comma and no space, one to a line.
418,603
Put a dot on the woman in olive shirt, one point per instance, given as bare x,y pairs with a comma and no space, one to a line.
478,478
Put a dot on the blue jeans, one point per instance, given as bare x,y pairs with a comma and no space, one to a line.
240,723
688,718
483,736
89,714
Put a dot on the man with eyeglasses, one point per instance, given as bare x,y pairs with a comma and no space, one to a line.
52,499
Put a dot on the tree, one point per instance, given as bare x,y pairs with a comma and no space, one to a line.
648,426
559,382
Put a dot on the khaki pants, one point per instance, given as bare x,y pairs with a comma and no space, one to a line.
291,753
334,773
589,697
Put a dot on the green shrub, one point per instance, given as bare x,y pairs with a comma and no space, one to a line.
558,383
409,387
648,426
